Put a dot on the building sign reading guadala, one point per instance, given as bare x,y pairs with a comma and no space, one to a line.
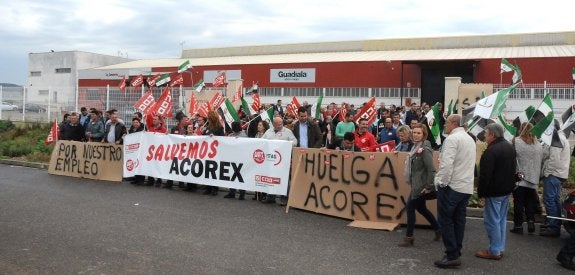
292,75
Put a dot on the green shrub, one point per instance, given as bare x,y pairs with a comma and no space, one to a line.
6,125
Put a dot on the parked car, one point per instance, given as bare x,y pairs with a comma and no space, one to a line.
31,107
5,106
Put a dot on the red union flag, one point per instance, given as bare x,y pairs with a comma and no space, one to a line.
178,80
204,109
257,104
293,106
342,112
383,147
193,105
238,93
145,103
138,81
368,111
164,105
217,101
53,135
123,84
220,80
152,80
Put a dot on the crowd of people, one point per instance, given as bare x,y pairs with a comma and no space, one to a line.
506,168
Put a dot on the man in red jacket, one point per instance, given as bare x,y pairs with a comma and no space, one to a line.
363,138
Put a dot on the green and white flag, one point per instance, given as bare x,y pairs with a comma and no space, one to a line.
246,107
493,105
252,89
165,78
542,119
185,66
568,118
230,113
268,115
199,85
573,74
316,108
433,119
506,66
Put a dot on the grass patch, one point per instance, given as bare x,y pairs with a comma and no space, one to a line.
25,142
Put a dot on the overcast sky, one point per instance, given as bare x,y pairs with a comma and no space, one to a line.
157,29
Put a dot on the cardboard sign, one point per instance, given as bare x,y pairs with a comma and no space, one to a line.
352,185
91,160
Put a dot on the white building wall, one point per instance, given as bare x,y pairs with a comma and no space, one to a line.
52,76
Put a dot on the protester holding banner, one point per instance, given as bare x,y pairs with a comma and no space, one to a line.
180,129
213,128
94,128
525,198
306,131
115,130
348,143
156,126
364,140
420,174
388,133
72,130
237,132
278,132
137,126
405,144
454,182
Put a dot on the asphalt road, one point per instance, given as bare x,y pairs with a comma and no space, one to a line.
62,225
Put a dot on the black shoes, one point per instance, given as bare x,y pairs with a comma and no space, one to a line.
530,227
445,263
517,230
549,233
566,263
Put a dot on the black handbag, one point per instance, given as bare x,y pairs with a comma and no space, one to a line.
429,196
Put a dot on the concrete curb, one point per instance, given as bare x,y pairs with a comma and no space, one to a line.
37,165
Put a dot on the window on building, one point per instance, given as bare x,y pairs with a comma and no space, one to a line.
43,92
36,73
63,70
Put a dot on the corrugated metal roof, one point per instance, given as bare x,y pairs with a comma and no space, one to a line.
359,56
393,44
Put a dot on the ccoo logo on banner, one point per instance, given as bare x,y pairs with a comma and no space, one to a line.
241,163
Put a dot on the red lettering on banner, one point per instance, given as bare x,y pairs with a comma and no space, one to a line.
150,153
192,150
214,148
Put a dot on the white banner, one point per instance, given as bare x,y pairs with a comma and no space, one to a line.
241,163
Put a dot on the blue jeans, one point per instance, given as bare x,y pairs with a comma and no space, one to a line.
421,207
451,213
495,221
552,202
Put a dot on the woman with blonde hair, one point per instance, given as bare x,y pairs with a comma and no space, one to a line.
529,155
419,173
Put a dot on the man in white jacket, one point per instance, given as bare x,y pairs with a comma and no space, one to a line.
555,172
454,183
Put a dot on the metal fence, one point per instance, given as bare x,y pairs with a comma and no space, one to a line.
44,106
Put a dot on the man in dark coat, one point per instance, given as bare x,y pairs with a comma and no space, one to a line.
73,130
496,181
312,137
